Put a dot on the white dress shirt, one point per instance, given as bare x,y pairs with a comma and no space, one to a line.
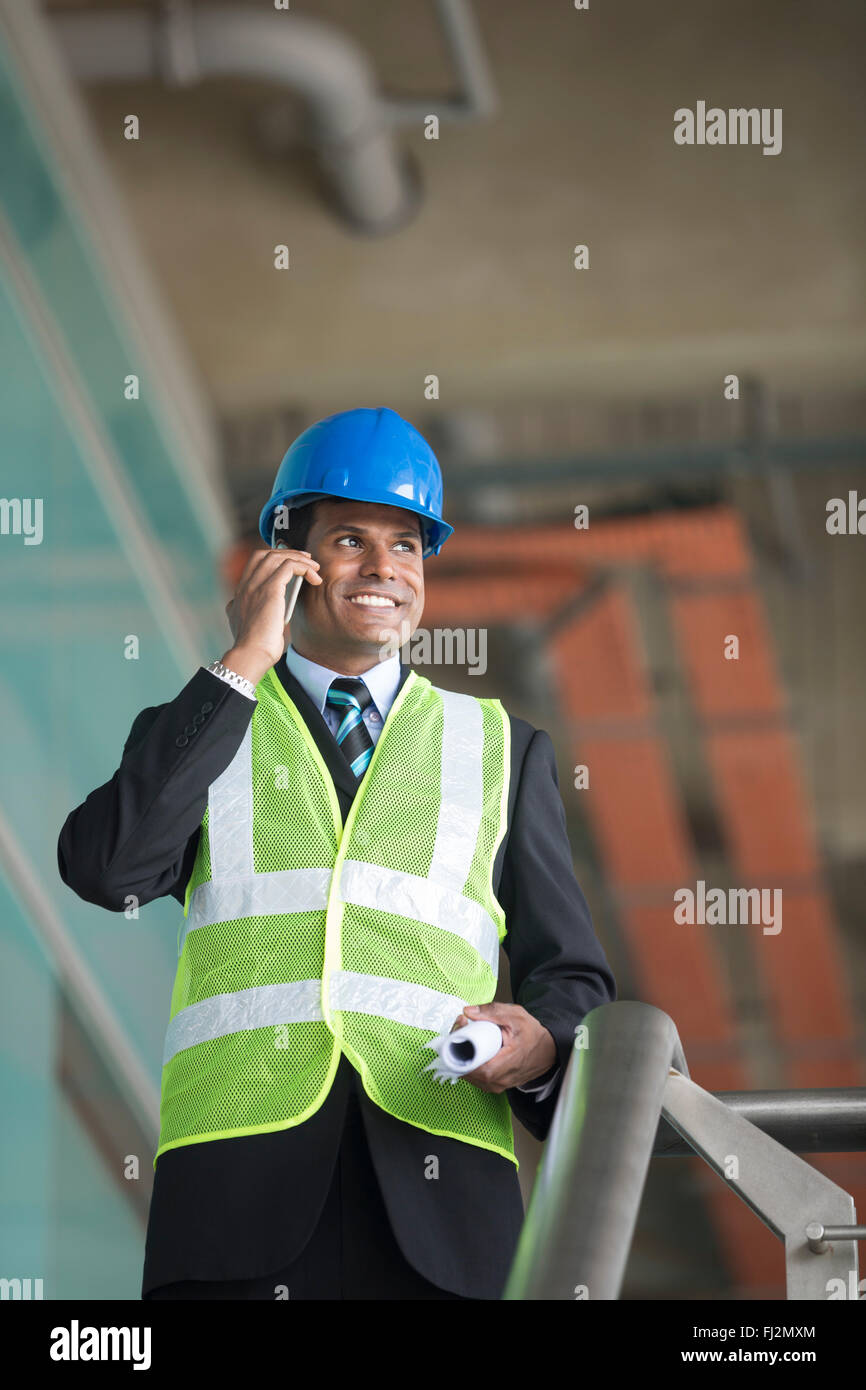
381,680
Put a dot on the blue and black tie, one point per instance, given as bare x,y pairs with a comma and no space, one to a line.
351,697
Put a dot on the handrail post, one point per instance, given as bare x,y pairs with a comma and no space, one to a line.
584,1206
626,1070
787,1194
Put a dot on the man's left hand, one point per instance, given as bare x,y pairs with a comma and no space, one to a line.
527,1051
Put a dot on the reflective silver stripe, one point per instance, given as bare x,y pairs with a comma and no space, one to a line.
415,1005
462,789
422,900
230,815
257,895
271,1005
263,1007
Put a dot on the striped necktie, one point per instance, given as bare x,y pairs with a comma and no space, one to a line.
351,697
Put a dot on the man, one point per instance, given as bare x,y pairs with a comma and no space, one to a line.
351,845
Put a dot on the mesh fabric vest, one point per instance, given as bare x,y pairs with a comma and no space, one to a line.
303,938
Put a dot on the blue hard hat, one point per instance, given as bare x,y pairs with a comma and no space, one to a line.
367,456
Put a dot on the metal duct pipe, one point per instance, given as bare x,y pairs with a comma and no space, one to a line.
182,45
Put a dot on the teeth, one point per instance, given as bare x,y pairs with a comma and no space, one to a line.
373,601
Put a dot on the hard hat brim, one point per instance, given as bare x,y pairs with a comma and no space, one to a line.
434,532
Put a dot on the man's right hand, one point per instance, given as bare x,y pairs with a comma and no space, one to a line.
257,610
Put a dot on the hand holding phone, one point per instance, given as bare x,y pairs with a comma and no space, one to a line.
262,605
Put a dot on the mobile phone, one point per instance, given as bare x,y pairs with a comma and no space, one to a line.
293,590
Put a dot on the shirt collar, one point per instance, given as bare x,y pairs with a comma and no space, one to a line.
382,680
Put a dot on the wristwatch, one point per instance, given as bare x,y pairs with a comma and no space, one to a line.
239,682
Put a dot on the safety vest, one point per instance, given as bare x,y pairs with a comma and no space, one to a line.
303,938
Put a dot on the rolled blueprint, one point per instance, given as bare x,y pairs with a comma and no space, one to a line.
463,1050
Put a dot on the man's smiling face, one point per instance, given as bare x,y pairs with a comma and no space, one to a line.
372,584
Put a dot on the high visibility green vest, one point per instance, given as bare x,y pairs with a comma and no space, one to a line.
303,937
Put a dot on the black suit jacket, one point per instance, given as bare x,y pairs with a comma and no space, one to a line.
239,1208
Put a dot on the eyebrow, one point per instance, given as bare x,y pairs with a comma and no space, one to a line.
365,531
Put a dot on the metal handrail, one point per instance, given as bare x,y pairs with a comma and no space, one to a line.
626,1074
813,1121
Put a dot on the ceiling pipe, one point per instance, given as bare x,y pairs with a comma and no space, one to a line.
478,98
377,188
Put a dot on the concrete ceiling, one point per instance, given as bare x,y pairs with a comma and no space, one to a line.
703,260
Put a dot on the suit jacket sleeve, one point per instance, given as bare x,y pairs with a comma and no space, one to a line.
559,971
138,833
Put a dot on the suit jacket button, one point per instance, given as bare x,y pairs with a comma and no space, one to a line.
190,729
206,707
198,720
181,742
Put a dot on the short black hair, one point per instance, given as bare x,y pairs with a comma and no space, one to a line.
300,520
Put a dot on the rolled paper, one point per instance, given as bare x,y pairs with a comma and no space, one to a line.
463,1050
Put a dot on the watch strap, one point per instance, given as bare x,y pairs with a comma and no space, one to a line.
232,678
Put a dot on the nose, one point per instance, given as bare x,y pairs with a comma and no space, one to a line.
379,561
